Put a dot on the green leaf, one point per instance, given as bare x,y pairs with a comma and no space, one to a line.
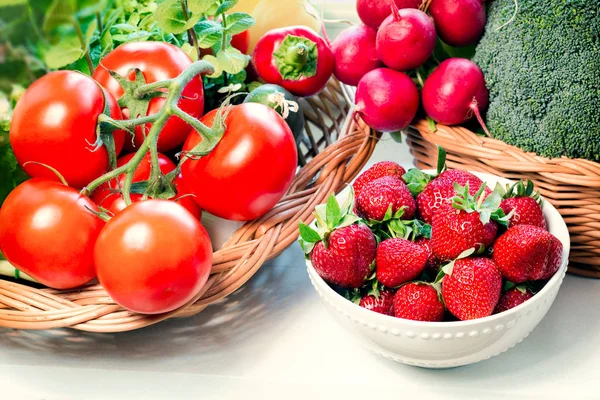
170,18
431,124
89,32
65,52
332,212
232,60
509,285
396,136
208,33
466,253
215,63
238,23
416,180
347,196
106,43
441,162
201,6
348,220
308,234
60,12
8,3
492,201
190,51
226,6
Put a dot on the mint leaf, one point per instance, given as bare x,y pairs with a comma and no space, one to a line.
232,61
238,23
226,6
201,6
209,33
170,18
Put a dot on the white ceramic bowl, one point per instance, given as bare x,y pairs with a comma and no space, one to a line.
447,344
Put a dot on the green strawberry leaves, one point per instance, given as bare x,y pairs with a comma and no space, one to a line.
487,207
416,180
522,189
447,269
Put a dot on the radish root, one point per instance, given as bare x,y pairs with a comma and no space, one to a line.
425,5
475,108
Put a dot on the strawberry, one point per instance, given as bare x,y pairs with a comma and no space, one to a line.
382,303
440,191
512,298
381,169
527,253
399,261
471,287
523,204
419,302
389,193
433,263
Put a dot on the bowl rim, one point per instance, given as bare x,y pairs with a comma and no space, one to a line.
552,282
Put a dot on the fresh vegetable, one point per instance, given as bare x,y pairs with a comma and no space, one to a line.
55,123
153,257
512,298
238,179
458,22
378,170
419,302
455,92
527,253
295,58
399,261
373,12
383,303
355,52
385,195
544,101
48,231
471,287
282,101
406,39
157,61
387,100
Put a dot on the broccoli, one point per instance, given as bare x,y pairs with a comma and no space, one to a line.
543,71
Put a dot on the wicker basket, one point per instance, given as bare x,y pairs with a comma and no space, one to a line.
337,149
572,186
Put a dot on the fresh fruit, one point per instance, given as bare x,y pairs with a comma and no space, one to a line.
153,257
419,302
523,205
373,12
251,167
471,287
296,58
48,230
406,39
383,194
157,61
382,303
55,123
387,100
355,52
433,263
378,170
455,92
399,261
512,298
527,253
458,22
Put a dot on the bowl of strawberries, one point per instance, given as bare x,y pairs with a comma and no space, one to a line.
436,269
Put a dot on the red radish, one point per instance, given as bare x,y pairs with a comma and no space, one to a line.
406,39
373,12
454,92
387,100
458,22
355,54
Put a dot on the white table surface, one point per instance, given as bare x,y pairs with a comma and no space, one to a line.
274,339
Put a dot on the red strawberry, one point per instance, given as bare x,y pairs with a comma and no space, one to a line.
375,199
381,169
471,288
440,191
527,253
399,261
419,302
433,263
347,259
382,304
512,298
526,211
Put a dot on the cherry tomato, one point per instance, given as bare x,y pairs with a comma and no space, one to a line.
48,231
153,257
249,170
54,123
158,61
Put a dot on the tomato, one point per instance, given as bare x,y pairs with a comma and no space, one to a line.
54,123
249,170
153,257
158,61
48,231
241,41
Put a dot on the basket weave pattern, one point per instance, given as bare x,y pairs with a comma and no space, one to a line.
336,150
571,185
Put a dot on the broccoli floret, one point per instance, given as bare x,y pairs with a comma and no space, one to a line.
543,72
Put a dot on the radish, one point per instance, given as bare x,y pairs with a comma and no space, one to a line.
387,100
458,22
355,54
454,92
373,12
406,39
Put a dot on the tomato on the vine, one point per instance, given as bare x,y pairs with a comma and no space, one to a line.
153,257
54,123
158,61
251,167
48,231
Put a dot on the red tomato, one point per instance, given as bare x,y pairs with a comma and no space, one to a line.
241,41
309,75
249,170
47,231
158,61
153,257
54,123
